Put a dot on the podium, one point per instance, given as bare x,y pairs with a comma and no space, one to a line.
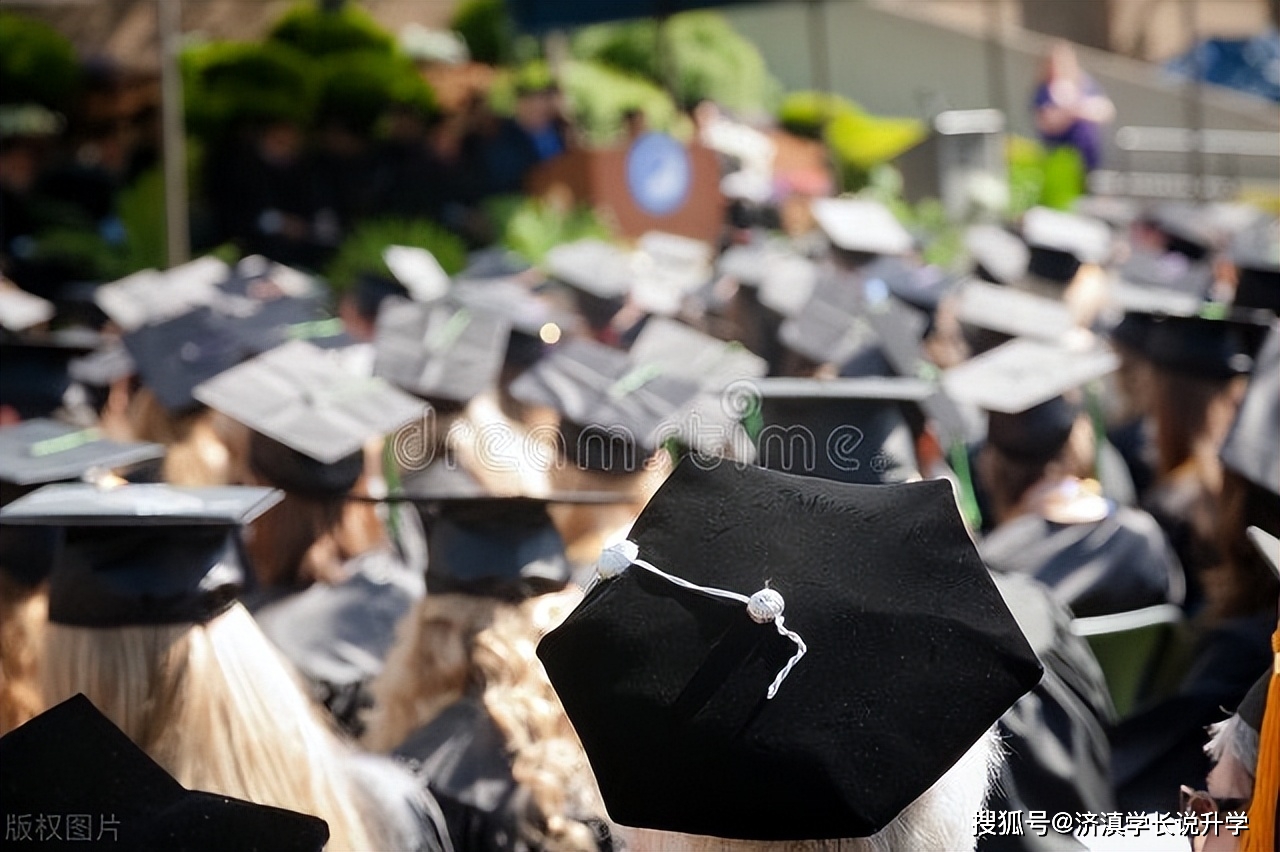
654,184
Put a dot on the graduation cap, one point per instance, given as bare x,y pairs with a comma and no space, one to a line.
481,541
1252,447
439,351
102,367
614,412
1010,312
710,423
1206,344
704,709
142,554
600,275
861,225
418,270
998,256
848,430
175,355
38,451
1061,242
311,418
1022,385
264,280
1267,545
831,327
151,296
33,369
535,321
1256,255
492,262
1167,272
787,282
20,310
921,287
72,762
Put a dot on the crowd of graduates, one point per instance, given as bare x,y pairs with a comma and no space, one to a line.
663,544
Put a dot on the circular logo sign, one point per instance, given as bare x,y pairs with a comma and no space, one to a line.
658,174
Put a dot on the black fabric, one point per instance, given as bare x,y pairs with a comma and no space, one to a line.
118,576
1252,448
1215,349
439,350
176,355
912,656
1058,757
72,760
338,634
1120,563
296,473
1036,435
501,550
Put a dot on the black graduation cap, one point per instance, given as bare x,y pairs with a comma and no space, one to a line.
1256,255
262,325
847,430
151,296
102,367
439,351
861,226
142,554
832,326
1206,344
709,423
1023,385
1167,271
921,287
264,280
998,256
1187,227
667,268
74,770
175,355
614,413
1252,448
600,275
787,282
492,262
35,452
1269,546
1011,312
417,269
535,321
485,542
1061,242
33,369
668,685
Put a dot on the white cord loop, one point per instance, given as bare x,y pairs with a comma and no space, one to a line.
764,607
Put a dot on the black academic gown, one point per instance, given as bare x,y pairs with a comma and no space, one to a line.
338,635
462,756
1117,564
1058,756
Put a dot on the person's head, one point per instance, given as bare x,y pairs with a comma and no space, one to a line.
280,142
196,455
455,646
1010,468
143,620
1061,62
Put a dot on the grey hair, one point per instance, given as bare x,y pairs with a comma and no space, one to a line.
940,819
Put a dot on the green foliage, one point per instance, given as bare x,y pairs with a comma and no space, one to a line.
531,227
598,97
233,83
361,252
1064,178
37,64
808,113
942,239
317,33
703,55
859,142
486,28
141,210
357,88
1026,174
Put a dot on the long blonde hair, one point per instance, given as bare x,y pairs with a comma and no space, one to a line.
218,708
454,645
22,621
196,454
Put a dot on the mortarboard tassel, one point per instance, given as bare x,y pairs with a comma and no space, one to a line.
1261,835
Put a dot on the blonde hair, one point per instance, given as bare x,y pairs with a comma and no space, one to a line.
23,610
196,455
451,646
940,820
218,708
